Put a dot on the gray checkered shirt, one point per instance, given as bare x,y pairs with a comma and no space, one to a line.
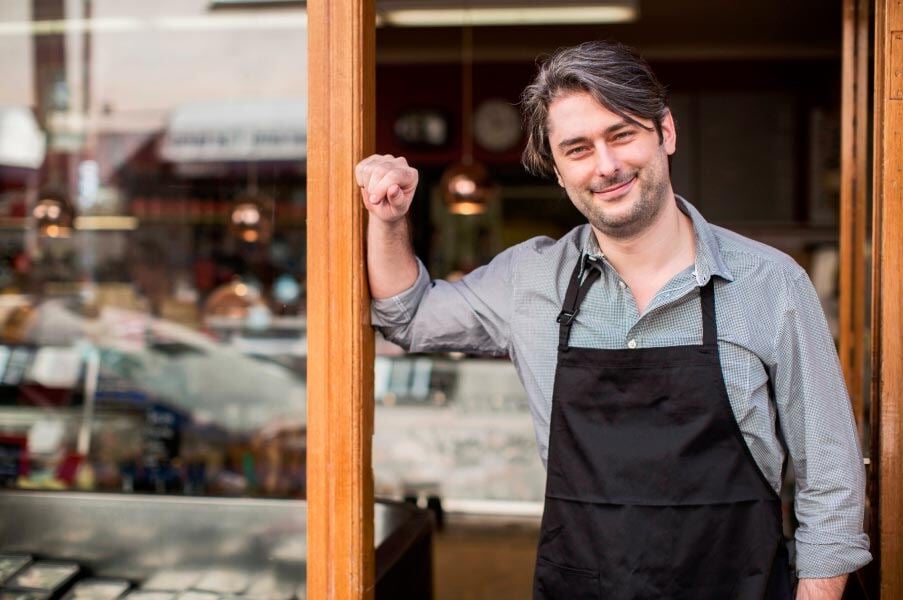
770,328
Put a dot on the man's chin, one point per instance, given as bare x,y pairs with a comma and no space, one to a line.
620,225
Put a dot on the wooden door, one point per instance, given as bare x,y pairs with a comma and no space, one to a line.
341,67
341,71
887,287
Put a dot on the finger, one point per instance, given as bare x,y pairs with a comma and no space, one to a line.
376,174
362,171
404,176
367,197
392,180
364,168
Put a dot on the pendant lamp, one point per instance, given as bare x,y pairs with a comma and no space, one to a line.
53,214
251,217
466,186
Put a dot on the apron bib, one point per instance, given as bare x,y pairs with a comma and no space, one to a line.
651,490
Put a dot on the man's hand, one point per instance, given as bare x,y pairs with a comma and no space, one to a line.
387,186
821,589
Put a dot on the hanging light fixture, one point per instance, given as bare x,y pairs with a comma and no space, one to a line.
466,186
53,214
251,217
451,13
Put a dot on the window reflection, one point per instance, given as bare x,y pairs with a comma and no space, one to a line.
152,247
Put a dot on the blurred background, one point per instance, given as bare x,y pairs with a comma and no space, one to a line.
153,217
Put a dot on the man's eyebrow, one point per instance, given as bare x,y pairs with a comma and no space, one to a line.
582,139
618,126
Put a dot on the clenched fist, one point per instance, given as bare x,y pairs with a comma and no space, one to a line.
387,185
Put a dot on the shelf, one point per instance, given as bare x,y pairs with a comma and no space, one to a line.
86,223
130,223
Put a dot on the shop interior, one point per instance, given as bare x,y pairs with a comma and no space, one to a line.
153,271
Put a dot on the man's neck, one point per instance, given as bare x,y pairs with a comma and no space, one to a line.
658,252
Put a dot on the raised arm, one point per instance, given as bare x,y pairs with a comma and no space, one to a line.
387,186
470,315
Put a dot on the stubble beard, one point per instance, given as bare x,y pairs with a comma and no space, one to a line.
653,193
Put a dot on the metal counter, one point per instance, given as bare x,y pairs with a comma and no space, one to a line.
135,536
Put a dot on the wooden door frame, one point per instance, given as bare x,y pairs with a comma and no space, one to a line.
887,287
341,71
854,155
341,107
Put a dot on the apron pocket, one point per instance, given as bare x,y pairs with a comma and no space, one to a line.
557,582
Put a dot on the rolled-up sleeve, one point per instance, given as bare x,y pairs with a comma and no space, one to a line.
821,437
389,314
470,315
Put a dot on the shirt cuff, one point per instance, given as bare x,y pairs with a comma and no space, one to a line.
400,309
820,561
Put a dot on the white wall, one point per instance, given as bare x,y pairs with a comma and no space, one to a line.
16,56
147,58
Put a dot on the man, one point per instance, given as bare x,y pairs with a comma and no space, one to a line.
666,360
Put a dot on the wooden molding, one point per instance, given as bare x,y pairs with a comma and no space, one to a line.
854,201
341,72
887,320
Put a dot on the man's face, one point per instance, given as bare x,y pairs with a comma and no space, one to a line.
614,172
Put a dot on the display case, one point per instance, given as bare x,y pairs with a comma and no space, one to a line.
153,266
95,546
458,430
162,462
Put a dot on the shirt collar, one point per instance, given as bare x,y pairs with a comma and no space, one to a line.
709,261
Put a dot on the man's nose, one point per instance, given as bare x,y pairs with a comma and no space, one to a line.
606,162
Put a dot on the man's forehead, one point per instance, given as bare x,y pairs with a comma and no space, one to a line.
574,113
579,111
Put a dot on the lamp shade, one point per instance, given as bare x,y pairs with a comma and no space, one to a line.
53,214
251,219
467,189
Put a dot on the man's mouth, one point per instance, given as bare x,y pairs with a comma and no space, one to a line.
614,191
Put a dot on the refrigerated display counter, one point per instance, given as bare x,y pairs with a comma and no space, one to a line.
57,545
141,458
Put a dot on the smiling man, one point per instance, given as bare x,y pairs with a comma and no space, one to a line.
670,364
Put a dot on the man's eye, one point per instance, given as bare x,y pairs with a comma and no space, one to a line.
576,150
623,135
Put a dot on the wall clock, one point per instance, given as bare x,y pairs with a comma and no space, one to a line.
496,125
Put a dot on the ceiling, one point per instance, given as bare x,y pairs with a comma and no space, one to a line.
666,30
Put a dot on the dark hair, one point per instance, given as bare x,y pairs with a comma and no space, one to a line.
615,75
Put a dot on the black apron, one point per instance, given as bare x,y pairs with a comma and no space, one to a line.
651,489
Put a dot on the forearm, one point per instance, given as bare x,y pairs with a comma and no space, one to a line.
391,265
821,589
820,433
470,315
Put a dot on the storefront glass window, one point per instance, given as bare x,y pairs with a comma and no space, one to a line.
152,247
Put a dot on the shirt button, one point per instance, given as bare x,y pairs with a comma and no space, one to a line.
622,285
631,344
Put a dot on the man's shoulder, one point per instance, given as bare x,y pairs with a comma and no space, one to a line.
544,247
745,256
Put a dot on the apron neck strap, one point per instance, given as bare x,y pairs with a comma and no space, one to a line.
707,302
573,298
577,290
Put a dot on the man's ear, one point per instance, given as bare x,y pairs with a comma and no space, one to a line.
669,132
558,176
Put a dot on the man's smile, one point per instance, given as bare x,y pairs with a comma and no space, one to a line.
614,191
